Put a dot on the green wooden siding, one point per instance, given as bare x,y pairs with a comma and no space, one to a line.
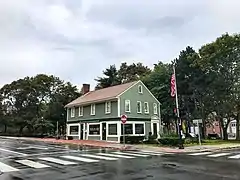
133,95
99,112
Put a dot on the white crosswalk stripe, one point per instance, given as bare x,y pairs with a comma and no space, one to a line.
99,157
235,156
149,153
32,164
116,155
6,168
218,154
131,154
200,153
57,161
76,158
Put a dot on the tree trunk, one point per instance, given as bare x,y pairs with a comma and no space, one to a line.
225,135
5,128
237,127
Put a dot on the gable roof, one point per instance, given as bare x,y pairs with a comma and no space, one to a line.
101,94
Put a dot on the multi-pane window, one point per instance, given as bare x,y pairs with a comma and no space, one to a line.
139,107
155,111
140,89
73,112
80,111
146,107
127,106
108,107
92,109
112,129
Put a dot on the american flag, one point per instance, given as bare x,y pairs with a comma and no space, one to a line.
173,84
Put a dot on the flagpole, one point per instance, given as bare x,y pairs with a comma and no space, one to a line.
178,114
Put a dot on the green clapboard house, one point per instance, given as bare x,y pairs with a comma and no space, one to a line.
96,115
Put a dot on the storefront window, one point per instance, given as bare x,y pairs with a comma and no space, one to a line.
139,128
128,129
112,129
74,130
94,129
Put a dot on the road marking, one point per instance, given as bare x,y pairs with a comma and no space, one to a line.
32,164
116,155
99,157
131,154
76,158
6,150
58,161
6,168
218,155
57,152
201,153
234,157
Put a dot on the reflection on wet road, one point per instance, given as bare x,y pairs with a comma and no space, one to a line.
28,160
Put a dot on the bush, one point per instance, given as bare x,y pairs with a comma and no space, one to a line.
169,141
132,139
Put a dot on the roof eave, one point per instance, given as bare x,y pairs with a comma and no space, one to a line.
89,102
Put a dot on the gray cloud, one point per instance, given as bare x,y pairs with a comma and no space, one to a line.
77,39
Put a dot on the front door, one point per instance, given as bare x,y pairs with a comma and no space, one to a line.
104,131
155,129
81,131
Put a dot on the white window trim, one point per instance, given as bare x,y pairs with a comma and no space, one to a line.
133,124
139,112
155,104
80,109
93,113
127,100
68,129
140,92
100,135
110,107
146,112
72,112
117,135
143,129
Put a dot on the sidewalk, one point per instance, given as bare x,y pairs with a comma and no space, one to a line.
117,146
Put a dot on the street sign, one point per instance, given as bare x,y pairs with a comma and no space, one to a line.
124,118
195,121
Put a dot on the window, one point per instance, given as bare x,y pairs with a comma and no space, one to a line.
140,90
94,129
139,128
128,129
80,111
139,107
73,112
155,111
92,109
74,130
146,107
112,129
108,107
127,106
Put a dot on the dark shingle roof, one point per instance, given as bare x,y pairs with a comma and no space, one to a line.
101,94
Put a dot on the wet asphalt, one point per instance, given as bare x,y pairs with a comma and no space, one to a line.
159,167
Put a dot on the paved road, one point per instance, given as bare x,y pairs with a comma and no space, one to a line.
27,160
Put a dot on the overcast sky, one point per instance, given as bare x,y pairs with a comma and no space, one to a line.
77,39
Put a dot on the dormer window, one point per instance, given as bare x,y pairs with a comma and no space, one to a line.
140,89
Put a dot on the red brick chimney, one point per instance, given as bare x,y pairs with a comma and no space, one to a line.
85,88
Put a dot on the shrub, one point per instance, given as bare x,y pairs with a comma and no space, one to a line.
169,141
132,139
